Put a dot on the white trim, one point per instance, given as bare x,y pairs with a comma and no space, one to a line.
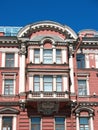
86,60
31,82
91,123
3,59
41,54
71,74
31,55
54,83
14,120
16,59
96,60
77,123
64,56
54,55
22,74
41,83
87,83
12,50
0,122
65,85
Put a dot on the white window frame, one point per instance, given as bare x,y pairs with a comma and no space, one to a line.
14,120
87,84
14,82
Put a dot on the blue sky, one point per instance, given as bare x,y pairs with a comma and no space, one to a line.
77,14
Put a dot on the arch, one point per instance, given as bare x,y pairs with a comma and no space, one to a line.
87,109
47,25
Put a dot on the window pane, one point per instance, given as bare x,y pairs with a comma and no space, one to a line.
48,81
7,123
84,123
8,86
35,123
58,56
59,123
36,56
82,88
9,61
80,60
47,56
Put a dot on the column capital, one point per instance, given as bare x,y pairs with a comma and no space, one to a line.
22,49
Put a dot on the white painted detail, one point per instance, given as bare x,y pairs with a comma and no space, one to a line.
96,60
14,123
91,123
41,82
64,56
71,74
9,50
22,74
41,54
54,55
16,60
54,83
3,59
31,83
77,123
0,122
31,55
65,85
87,60
87,85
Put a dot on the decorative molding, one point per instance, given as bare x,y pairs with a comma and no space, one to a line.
8,110
48,107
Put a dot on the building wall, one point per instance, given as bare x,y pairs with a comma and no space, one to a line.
75,74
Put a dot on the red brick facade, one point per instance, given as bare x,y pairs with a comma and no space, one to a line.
49,78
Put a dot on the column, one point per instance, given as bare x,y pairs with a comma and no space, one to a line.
31,55
87,60
54,83
65,85
96,60
77,121
91,122
14,123
41,54
22,69
0,122
87,81
41,85
16,59
71,70
64,56
54,55
3,59
31,87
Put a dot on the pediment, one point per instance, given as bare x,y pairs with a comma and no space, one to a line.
9,111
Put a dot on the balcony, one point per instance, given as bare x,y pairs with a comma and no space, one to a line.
47,95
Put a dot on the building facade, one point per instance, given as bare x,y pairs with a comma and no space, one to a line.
48,78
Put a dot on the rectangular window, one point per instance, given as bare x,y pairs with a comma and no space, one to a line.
8,86
59,83
59,123
58,56
84,123
7,123
35,123
48,83
36,56
80,61
36,83
9,61
82,88
47,56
